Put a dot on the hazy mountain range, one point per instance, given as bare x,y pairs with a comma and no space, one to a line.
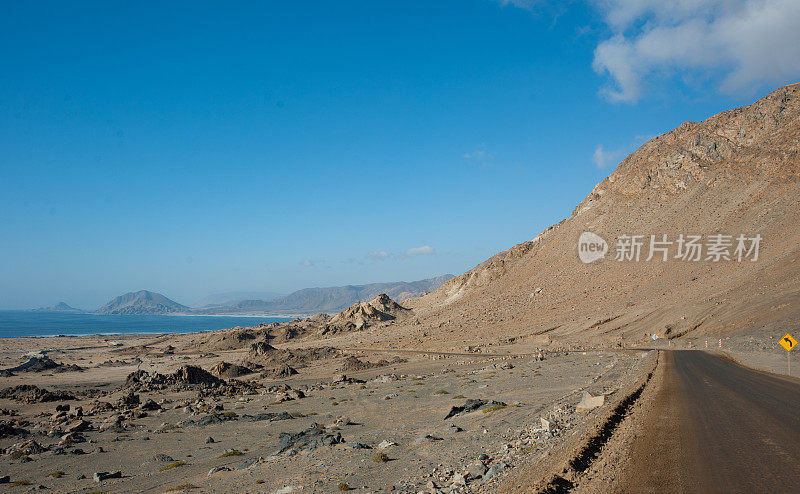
305,301
59,307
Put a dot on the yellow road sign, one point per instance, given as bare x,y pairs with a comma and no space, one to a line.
788,342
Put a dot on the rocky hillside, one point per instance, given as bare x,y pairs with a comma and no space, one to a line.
736,173
142,303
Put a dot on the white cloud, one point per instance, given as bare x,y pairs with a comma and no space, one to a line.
746,43
307,263
425,250
378,255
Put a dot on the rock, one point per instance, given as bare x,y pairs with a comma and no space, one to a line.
150,405
427,438
78,426
71,438
29,394
477,469
546,424
23,449
210,440
494,470
289,489
247,464
473,405
101,476
218,469
226,369
385,444
309,439
62,408
282,372
5,479
589,402
359,446
458,479
340,421
162,457
128,400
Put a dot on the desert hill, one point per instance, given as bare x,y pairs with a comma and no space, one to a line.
142,303
735,173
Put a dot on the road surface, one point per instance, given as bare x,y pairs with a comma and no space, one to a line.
715,427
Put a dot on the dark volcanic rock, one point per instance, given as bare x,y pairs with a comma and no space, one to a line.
28,393
473,405
41,364
309,439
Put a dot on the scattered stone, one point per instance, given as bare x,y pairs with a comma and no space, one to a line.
162,457
385,444
210,440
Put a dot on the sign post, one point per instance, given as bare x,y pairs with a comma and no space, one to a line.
788,343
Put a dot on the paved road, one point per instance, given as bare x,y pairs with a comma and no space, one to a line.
717,427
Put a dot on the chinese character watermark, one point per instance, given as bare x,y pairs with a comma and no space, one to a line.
688,247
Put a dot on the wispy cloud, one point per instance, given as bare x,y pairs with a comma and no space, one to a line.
523,4
480,156
603,158
378,255
424,250
307,263
382,255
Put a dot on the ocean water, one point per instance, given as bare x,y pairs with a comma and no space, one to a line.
14,323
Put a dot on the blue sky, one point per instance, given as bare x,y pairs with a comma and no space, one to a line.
192,148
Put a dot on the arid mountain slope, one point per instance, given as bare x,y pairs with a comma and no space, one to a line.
735,173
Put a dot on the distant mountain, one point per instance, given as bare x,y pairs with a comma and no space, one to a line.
59,307
231,298
142,303
331,299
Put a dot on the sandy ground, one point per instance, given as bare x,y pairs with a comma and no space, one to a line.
402,403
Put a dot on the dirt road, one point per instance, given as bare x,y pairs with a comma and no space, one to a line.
717,427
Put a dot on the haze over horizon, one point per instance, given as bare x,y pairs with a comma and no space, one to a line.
197,151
